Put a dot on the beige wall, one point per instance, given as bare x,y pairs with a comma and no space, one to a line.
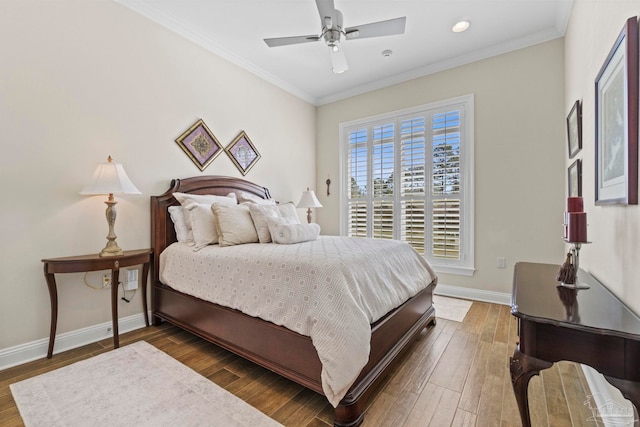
81,80
614,230
519,146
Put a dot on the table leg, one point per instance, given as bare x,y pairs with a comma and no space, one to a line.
114,306
145,273
522,368
53,296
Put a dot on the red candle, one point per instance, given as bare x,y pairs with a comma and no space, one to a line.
575,204
577,227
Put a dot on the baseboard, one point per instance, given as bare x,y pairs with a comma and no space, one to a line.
606,402
473,294
34,350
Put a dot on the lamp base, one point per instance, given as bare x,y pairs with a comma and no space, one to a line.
111,249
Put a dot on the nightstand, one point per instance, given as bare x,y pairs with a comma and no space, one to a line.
94,262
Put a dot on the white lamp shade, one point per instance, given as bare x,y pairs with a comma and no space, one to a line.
308,200
110,178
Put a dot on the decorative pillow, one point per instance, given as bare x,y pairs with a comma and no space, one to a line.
203,225
186,199
244,197
288,210
286,233
179,224
259,215
235,225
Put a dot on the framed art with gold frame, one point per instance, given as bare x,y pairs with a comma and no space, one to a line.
243,153
200,144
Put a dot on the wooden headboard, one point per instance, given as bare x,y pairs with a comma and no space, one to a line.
162,231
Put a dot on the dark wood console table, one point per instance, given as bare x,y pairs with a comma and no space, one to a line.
589,326
94,262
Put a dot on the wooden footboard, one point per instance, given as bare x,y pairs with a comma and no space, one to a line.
276,348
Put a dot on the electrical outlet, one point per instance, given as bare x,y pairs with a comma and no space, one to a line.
501,262
132,280
106,281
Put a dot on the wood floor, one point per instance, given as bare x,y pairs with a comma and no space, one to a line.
456,374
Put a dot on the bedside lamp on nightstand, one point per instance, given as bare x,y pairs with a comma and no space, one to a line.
109,179
308,200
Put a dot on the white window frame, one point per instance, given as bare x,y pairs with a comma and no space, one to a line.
465,266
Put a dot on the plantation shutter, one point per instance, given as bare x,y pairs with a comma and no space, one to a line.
382,175
445,188
413,156
357,191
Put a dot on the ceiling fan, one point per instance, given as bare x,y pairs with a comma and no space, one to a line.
333,31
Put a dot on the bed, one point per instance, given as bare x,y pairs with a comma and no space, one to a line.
277,348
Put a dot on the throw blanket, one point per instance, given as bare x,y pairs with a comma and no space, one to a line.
330,289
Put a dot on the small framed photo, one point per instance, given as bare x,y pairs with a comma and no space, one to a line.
574,129
243,153
574,179
199,143
617,121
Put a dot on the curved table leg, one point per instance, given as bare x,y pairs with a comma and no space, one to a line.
522,368
145,273
53,295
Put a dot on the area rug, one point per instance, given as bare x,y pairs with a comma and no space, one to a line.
136,385
451,308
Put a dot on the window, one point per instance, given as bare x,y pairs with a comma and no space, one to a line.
410,177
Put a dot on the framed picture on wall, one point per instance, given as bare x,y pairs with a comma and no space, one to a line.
574,179
574,129
199,144
243,153
617,121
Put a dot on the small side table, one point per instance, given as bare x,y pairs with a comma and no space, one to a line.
94,262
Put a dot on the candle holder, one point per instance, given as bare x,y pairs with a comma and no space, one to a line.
575,262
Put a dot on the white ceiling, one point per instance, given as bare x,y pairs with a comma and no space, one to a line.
234,29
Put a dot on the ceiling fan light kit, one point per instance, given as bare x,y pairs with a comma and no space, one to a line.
332,32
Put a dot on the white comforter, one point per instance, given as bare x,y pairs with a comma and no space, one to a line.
330,289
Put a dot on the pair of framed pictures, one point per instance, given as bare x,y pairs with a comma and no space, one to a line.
202,147
616,125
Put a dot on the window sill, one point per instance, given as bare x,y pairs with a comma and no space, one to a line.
459,271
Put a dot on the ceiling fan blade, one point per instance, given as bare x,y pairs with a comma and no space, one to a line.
283,41
377,29
338,60
326,9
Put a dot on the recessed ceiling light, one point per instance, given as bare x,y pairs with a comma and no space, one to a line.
461,26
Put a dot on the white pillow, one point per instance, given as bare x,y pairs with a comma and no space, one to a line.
235,225
286,233
259,215
288,210
203,225
244,197
186,199
183,234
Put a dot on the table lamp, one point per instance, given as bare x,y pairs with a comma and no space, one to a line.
109,179
308,200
